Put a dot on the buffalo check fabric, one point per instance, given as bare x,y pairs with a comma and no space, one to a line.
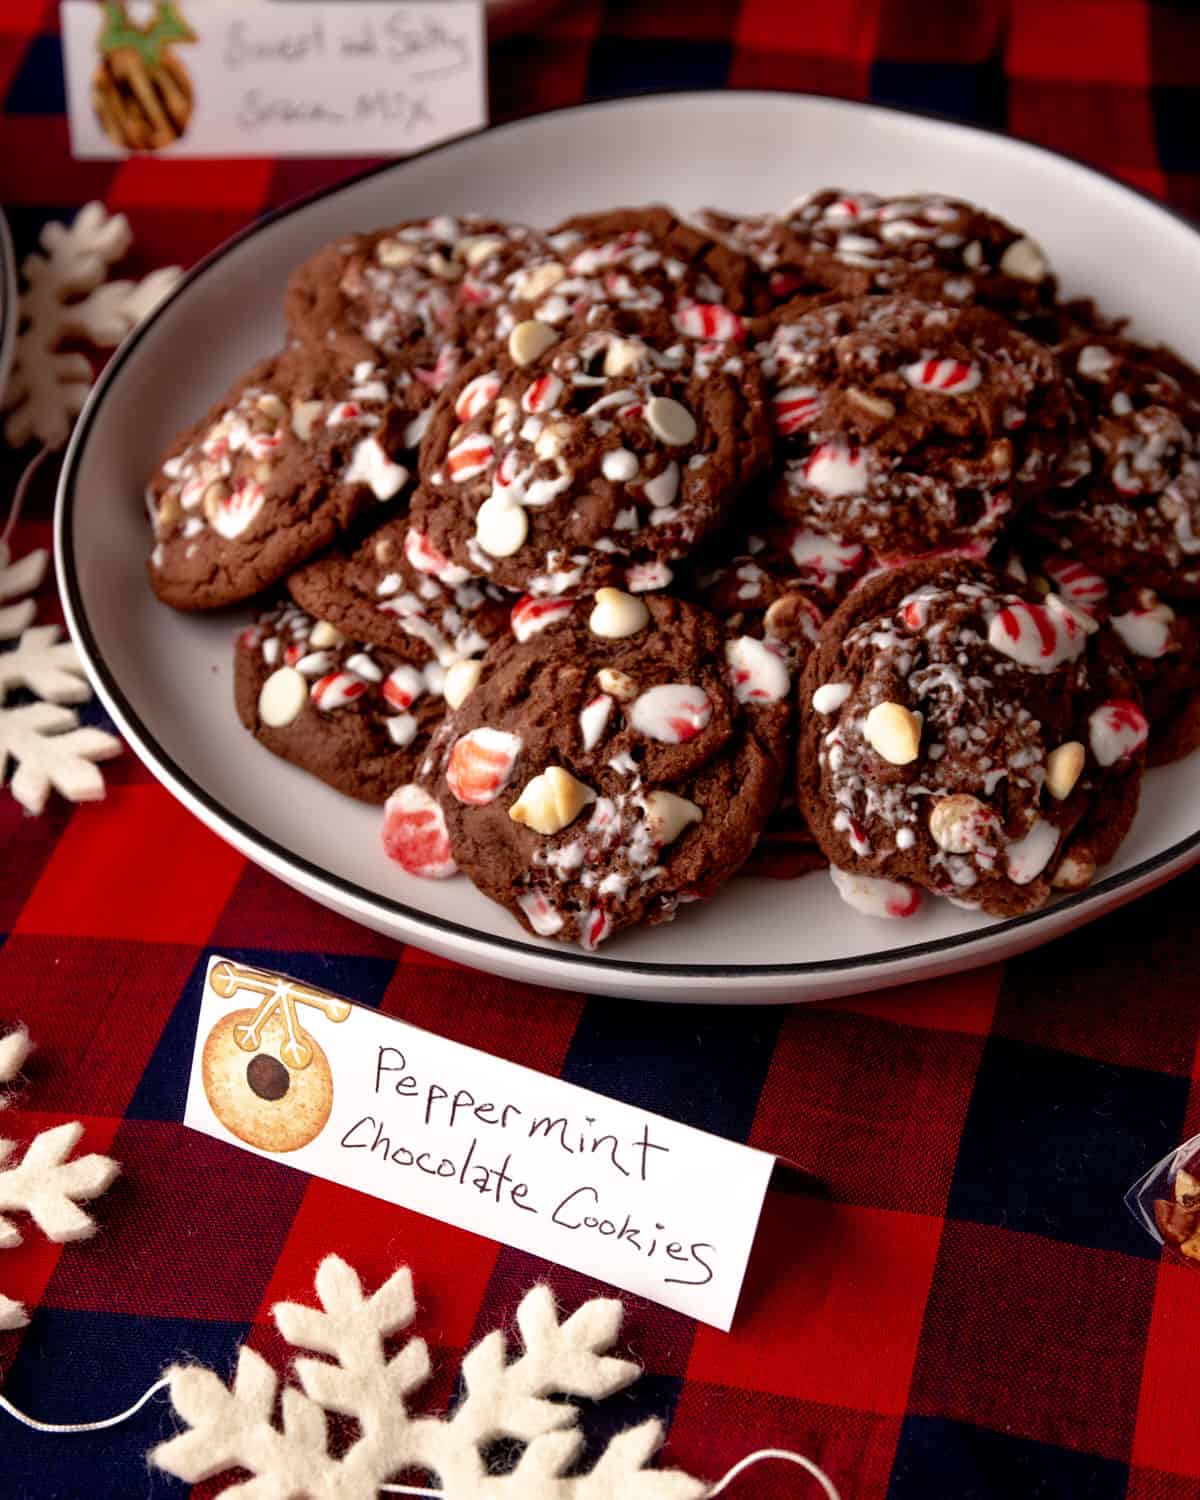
956,1303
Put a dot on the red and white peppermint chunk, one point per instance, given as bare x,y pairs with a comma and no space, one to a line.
673,712
414,834
481,765
336,690
836,470
1036,636
543,394
594,927
953,377
443,370
426,558
795,406
470,457
709,320
477,395
875,898
541,914
822,557
530,616
234,514
593,720
402,687
1028,856
643,577
1116,730
759,672
1080,585
1145,630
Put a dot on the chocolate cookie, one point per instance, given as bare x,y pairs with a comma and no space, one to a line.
604,771
355,716
638,270
914,429
553,466
1136,513
389,591
289,459
419,288
925,245
959,737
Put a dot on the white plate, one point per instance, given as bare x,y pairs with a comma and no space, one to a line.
166,678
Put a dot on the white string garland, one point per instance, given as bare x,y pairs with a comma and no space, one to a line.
21,491
784,1455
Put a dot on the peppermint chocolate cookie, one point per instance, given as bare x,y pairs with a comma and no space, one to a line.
605,770
296,452
555,465
639,270
418,289
389,591
355,716
925,245
911,428
1136,513
960,737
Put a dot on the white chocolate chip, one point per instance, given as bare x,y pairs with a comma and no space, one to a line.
960,823
538,280
549,442
443,268
394,253
617,615
1074,873
500,527
1024,260
282,697
670,422
529,340
324,635
461,680
830,696
271,406
1063,768
894,732
551,801
618,684
668,815
877,406
624,356
477,248
305,415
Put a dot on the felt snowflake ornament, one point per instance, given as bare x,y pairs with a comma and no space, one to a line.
46,1184
234,1428
66,297
18,580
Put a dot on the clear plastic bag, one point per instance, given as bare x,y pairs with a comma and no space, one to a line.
1166,1201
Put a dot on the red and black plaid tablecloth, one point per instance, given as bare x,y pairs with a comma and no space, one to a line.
967,1310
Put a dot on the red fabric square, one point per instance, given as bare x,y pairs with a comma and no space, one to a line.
1174,44
940,31
193,1229
669,20
1035,1337
262,912
1168,1419
831,1310
450,1266
1153,1484
757,68
1107,124
714,1426
1079,39
25,18
29,1267
95,1009
137,865
26,847
957,1002
846,32
530,1026
36,165
888,1143
239,182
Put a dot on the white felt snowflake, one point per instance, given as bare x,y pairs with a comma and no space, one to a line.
50,750
45,1183
234,1427
18,580
66,297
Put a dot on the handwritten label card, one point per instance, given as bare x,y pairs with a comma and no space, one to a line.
290,77
661,1209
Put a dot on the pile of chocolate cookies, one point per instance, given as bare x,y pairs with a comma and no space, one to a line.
612,556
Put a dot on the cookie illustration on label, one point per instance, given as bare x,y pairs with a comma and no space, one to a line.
265,1078
141,92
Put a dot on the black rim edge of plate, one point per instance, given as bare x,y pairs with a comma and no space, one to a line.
166,768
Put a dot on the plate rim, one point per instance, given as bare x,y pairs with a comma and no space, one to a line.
147,748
